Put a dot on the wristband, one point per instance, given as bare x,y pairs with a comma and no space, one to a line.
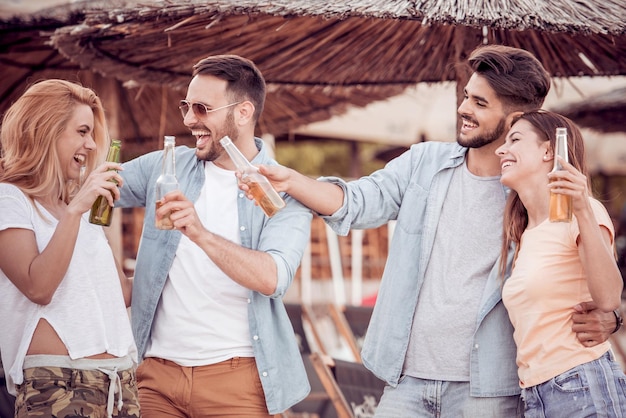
618,320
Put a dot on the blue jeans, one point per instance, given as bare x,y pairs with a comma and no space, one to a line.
421,398
596,388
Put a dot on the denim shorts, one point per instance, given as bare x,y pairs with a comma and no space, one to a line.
596,388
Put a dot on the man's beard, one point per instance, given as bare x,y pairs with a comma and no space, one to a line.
485,139
214,148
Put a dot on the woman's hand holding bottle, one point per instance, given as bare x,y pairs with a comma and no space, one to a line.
571,182
103,181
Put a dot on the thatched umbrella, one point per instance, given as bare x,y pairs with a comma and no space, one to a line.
602,112
318,56
141,115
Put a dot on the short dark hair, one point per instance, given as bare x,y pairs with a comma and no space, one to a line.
517,77
245,81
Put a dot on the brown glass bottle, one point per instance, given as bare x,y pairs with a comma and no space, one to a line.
560,204
260,188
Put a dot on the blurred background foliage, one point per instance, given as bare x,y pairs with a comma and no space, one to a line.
331,158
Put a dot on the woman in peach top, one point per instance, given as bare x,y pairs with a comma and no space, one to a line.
557,266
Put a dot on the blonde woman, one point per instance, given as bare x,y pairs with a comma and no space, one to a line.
65,337
558,265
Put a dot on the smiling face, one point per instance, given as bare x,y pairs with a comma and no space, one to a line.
482,113
76,142
525,156
210,128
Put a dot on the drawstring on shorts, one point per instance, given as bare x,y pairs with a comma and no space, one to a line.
110,367
115,386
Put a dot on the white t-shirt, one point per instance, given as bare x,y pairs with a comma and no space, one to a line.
87,310
202,316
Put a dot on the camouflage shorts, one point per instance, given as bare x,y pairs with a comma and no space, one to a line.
71,393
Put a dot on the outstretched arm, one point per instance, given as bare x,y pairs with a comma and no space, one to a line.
321,197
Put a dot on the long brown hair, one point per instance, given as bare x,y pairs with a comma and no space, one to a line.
515,214
30,130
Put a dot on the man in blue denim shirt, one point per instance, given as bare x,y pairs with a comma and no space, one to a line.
207,309
440,336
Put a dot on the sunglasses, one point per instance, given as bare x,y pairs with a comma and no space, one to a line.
199,109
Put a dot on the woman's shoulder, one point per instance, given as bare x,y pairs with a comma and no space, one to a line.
15,206
11,190
601,213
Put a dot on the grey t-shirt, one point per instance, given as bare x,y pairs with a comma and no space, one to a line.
466,247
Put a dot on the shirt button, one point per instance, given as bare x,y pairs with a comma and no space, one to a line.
264,374
242,228
476,346
256,337
240,195
249,301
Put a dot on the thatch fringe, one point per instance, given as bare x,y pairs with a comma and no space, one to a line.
319,57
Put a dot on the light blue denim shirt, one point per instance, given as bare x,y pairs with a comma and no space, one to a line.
284,236
411,189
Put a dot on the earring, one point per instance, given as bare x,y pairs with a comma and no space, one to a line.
545,158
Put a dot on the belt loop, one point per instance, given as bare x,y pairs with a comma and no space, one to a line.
234,362
610,355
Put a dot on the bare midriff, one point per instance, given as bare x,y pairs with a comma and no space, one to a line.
46,341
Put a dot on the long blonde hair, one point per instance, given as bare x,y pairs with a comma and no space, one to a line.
30,130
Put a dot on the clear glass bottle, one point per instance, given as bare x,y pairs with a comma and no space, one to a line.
167,181
560,204
261,189
101,213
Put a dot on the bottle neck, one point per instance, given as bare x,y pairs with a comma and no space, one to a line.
113,155
240,161
560,151
169,164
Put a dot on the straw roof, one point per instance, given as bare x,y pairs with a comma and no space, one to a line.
603,112
305,42
142,114
319,56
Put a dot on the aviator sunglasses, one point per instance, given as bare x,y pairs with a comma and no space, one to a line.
199,109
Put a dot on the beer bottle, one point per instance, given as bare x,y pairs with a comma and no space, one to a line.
167,181
560,204
260,187
101,213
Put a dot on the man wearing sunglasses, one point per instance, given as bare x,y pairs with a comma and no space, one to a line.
207,308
